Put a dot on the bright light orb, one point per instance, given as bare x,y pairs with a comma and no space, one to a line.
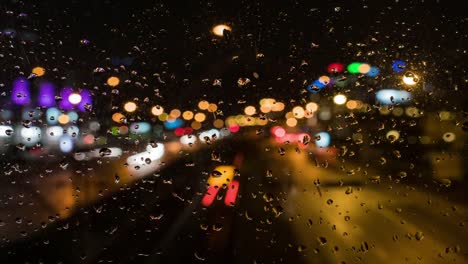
339,99
410,78
130,107
219,29
74,98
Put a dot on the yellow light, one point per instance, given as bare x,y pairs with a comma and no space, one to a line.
289,115
163,117
157,110
393,135
187,115
175,113
195,125
267,102
200,117
250,110
113,81
63,119
298,112
218,123
339,99
203,105
230,121
277,107
74,98
410,78
261,121
130,107
218,30
38,71
212,108
311,107
449,137
291,122
118,117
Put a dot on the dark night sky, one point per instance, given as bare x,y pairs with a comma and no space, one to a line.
173,41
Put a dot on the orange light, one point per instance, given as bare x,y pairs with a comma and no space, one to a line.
277,107
195,125
187,115
218,123
118,117
63,119
203,105
298,112
38,71
311,107
364,68
212,108
291,122
175,113
218,30
113,81
200,117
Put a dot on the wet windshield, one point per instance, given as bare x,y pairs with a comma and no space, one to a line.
233,132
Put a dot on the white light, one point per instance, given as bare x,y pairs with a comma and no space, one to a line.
339,99
74,98
392,96
73,131
110,153
188,139
30,135
66,144
143,163
54,133
211,135
6,131
322,139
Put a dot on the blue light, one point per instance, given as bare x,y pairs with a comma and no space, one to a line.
392,96
140,127
399,66
315,87
52,115
173,124
373,72
322,139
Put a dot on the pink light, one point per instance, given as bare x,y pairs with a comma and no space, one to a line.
209,196
231,194
234,128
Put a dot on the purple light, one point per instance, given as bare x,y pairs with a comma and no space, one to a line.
86,100
64,103
20,93
46,95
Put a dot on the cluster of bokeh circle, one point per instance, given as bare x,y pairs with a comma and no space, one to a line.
337,69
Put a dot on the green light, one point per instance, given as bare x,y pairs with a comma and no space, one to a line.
354,67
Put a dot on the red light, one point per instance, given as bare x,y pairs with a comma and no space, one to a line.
209,196
335,67
179,131
278,131
188,130
231,193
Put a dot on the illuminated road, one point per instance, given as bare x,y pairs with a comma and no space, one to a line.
290,210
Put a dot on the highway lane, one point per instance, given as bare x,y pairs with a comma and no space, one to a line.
289,209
